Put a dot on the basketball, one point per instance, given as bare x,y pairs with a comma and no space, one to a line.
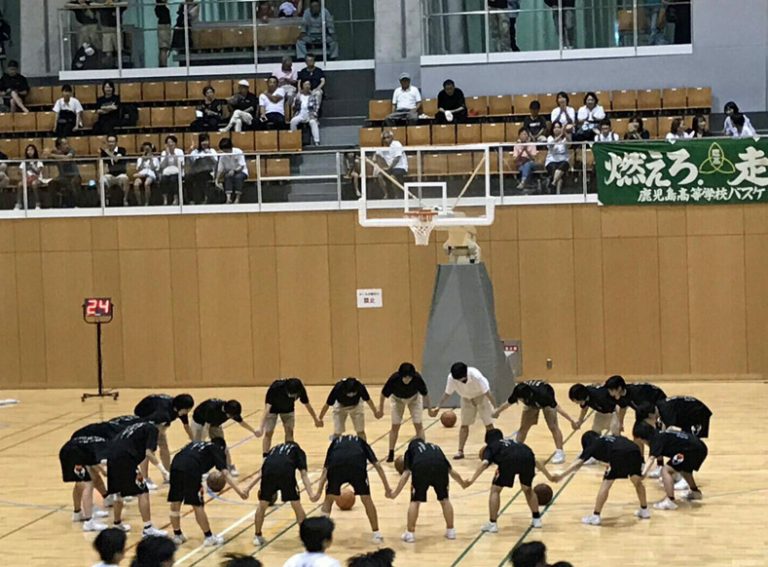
346,500
448,418
400,464
482,450
216,481
543,494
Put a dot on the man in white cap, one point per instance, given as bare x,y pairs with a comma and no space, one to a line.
245,106
406,103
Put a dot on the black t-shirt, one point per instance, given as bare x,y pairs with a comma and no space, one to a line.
639,393
16,83
249,101
198,457
163,14
212,412
338,395
599,399
118,424
159,407
682,409
604,447
108,16
109,101
450,102
396,387
87,450
506,452
135,440
670,443
535,126
314,77
119,166
103,429
349,451
284,460
280,401
543,395
423,454
83,16
215,107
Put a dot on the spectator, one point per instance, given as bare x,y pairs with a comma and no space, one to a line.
32,170
115,167
312,32
635,130
69,113
171,170
14,87
384,557
606,133
391,165
108,22
530,554
107,109
406,103
164,32
288,79
677,130
699,127
179,39
563,114
352,169
731,109
232,171
740,127
202,165
85,16
4,180
264,11
66,187
289,9
147,167
240,560
535,124
272,105
317,536
110,545
524,155
153,551
499,25
244,106
514,7
656,23
451,105
316,78
5,34
565,26
210,113
589,117
305,111
557,155
678,12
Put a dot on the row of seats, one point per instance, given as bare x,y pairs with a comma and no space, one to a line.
651,100
241,37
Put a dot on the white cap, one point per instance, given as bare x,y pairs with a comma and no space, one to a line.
244,83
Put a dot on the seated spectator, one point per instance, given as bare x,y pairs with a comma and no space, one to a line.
730,109
232,171
69,113
384,557
589,117
563,114
635,130
64,189
305,112
210,113
677,130
352,170
288,79
391,165
14,88
32,171
606,133
406,103
202,165
244,106
264,12
451,105
107,109
115,169
312,32
316,78
535,124
524,155
557,155
147,167
530,554
272,105
740,127
289,9
171,170
699,127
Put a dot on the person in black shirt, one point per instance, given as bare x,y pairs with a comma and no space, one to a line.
107,15
429,467
632,395
13,88
405,388
278,474
107,109
210,113
512,459
164,33
187,470
535,124
624,459
245,107
115,170
598,399
346,462
316,77
281,401
79,459
208,418
346,399
163,410
451,106
686,412
537,396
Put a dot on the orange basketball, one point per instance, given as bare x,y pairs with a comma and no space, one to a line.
482,450
543,494
400,464
216,481
448,418
346,500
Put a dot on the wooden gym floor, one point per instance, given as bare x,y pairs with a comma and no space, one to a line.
724,529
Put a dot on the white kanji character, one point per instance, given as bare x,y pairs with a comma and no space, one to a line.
683,195
697,193
680,163
721,194
655,168
645,196
709,193
671,195
753,165
626,170
658,194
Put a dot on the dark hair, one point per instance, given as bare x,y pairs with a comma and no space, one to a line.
108,83
605,122
521,130
109,543
562,564
150,144
233,407
59,141
384,557
207,88
521,391
578,393
202,138
34,147
309,56
675,125
616,382
12,63
530,554
737,119
644,431
225,144
66,87
643,410
448,82
153,551
639,119
272,77
240,560
293,386
588,438
564,95
492,435
406,369
183,401
535,105
314,532
732,106
591,94
458,370
171,137
696,123
349,385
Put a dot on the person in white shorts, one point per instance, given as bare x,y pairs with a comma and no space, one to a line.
346,399
476,400
405,388
280,402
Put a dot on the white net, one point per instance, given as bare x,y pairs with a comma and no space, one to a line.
422,226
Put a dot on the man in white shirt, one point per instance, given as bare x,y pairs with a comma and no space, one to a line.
317,535
406,103
272,104
476,399
391,165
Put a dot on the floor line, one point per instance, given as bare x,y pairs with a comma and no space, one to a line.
15,530
58,427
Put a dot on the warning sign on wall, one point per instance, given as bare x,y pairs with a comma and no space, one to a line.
369,299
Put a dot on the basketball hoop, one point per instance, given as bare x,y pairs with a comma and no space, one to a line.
423,222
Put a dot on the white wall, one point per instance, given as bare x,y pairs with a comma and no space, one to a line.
36,44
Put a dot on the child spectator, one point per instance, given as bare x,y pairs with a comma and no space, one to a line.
535,124
171,167
202,166
69,113
557,155
606,133
524,155
317,536
32,169
232,170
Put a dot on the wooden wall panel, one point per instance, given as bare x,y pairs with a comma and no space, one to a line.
544,223
265,319
66,234
674,306
757,307
185,310
10,370
222,231
342,274
506,288
300,229
626,222
32,320
139,233
106,283
588,297
7,237
422,261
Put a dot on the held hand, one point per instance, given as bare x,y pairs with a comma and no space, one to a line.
495,414
433,412
378,414
388,493
315,497
318,422
258,433
244,493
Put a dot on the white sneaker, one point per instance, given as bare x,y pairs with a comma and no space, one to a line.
536,522
122,526
109,501
77,516
179,539
655,473
591,520
591,461
258,540
151,484
559,457
128,499
153,531
692,495
93,526
450,533
233,471
100,513
665,504
377,537
213,540
643,513
408,537
490,528
682,485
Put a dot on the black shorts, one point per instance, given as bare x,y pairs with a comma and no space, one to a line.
624,465
357,477
432,475
689,461
71,469
125,478
286,485
186,488
524,468
699,427
553,166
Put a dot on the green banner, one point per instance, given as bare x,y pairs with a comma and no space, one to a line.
703,172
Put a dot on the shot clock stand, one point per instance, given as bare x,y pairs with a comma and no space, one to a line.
99,311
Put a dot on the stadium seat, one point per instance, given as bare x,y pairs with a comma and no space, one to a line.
492,133
699,97
418,136
460,163
10,147
244,140
130,92
477,105
443,134
665,123
88,171
6,122
648,99
652,125
288,141
399,133
223,88
674,99
80,144
379,109
577,98
161,116
434,165
500,105
176,91
153,92
624,100
548,102
276,167
429,106
25,122
183,115
468,134
511,131
145,119
370,137
265,140
39,96
522,103
259,85
620,126
86,94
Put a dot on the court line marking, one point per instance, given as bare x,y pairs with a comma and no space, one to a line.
43,422
18,529
48,431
